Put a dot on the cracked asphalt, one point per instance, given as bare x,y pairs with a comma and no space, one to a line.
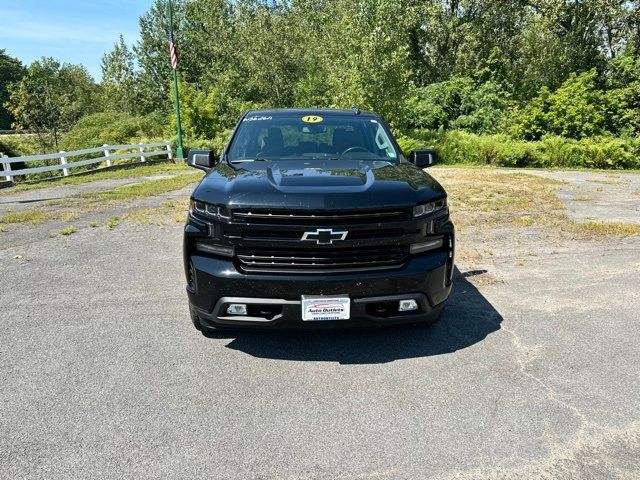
612,196
14,202
533,371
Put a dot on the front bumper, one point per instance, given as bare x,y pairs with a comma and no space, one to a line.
216,282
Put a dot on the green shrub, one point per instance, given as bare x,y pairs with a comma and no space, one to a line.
17,145
216,144
111,128
594,152
498,150
407,144
458,103
575,110
438,104
458,147
7,150
419,139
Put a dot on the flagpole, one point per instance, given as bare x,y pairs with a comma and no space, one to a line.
179,150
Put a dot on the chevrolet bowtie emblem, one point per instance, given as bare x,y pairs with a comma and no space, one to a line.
324,236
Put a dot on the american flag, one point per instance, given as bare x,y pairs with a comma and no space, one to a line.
172,51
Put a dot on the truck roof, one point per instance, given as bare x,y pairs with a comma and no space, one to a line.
309,111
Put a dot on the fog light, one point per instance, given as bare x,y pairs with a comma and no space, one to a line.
215,249
237,309
426,246
407,305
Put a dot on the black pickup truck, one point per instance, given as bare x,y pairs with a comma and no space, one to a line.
315,218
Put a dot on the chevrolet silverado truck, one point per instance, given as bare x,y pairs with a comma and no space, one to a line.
316,218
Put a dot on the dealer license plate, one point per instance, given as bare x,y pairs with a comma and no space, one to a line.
325,308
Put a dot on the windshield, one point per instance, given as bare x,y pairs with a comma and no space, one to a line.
266,137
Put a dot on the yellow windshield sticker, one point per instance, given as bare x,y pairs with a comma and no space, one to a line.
312,119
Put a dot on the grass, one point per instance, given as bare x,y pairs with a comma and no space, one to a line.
582,198
524,221
482,199
144,216
116,172
605,229
88,201
170,209
94,224
35,217
67,231
112,222
144,189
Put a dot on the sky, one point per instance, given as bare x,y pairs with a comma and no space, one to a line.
73,31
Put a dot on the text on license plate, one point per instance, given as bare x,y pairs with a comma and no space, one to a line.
325,308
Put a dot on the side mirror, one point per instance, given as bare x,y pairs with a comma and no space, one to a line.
423,158
202,159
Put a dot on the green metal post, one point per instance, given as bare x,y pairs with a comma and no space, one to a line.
179,150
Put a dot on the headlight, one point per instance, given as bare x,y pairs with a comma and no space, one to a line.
431,207
207,210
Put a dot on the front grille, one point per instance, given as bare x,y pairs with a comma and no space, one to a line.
288,234
320,260
320,217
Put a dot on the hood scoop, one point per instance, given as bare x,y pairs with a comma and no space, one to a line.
323,178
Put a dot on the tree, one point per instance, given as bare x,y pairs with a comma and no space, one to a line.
336,53
199,112
622,98
11,70
119,89
152,55
208,46
459,103
367,57
50,98
541,60
575,110
578,24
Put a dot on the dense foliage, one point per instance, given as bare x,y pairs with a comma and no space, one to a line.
11,71
551,151
527,76
111,128
50,98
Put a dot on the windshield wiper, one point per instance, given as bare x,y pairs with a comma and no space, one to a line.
257,159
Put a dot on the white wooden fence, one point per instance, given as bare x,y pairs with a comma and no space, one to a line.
65,165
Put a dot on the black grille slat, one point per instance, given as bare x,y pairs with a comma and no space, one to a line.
320,217
249,233
270,258
337,216
324,260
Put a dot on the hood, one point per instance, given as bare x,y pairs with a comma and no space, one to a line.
328,184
